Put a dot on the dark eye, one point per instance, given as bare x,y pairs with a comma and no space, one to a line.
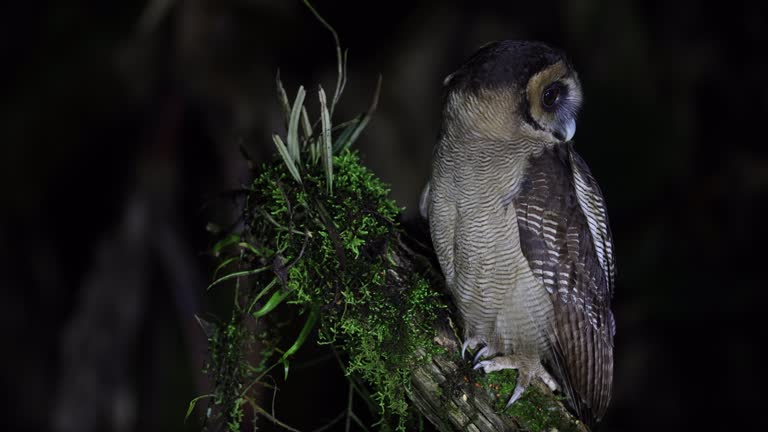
550,96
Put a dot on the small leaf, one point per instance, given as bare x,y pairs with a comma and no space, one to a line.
303,335
272,303
341,61
208,328
285,366
246,245
293,126
192,404
225,263
366,118
286,157
325,120
283,97
346,133
236,274
305,124
226,241
341,79
262,293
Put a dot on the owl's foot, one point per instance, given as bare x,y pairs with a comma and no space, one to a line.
527,370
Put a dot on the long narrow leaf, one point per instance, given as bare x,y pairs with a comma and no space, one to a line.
283,97
248,246
286,157
340,58
305,124
325,117
366,118
286,366
293,125
226,241
237,274
272,303
313,153
344,72
262,293
340,79
303,335
192,404
346,133
225,263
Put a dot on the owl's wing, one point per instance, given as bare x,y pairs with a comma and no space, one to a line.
565,237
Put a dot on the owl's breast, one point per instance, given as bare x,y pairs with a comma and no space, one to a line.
494,287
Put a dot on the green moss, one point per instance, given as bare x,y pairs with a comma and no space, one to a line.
319,234
332,253
228,344
535,411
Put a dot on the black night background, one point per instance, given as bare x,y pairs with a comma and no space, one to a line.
120,128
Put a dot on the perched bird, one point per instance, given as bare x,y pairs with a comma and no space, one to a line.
520,225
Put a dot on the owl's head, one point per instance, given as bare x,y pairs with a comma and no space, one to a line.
514,90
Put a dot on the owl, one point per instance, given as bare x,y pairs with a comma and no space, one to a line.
520,227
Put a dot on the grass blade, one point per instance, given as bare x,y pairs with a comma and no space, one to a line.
327,149
283,97
225,263
236,274
272,303
192,404
346,133
306,125
262,293
250,247
293,126
230,239
283,150
340,58
303,335
366,118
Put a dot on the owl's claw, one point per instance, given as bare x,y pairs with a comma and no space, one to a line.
527,370
519,389
470,343
480,354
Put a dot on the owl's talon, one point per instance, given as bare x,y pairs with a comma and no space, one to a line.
515,395
527,370
482,353
470,343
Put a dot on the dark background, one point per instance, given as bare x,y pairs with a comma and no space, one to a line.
121,120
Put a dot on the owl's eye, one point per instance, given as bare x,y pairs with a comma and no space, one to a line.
550,96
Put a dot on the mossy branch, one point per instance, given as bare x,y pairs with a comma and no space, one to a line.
322,239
